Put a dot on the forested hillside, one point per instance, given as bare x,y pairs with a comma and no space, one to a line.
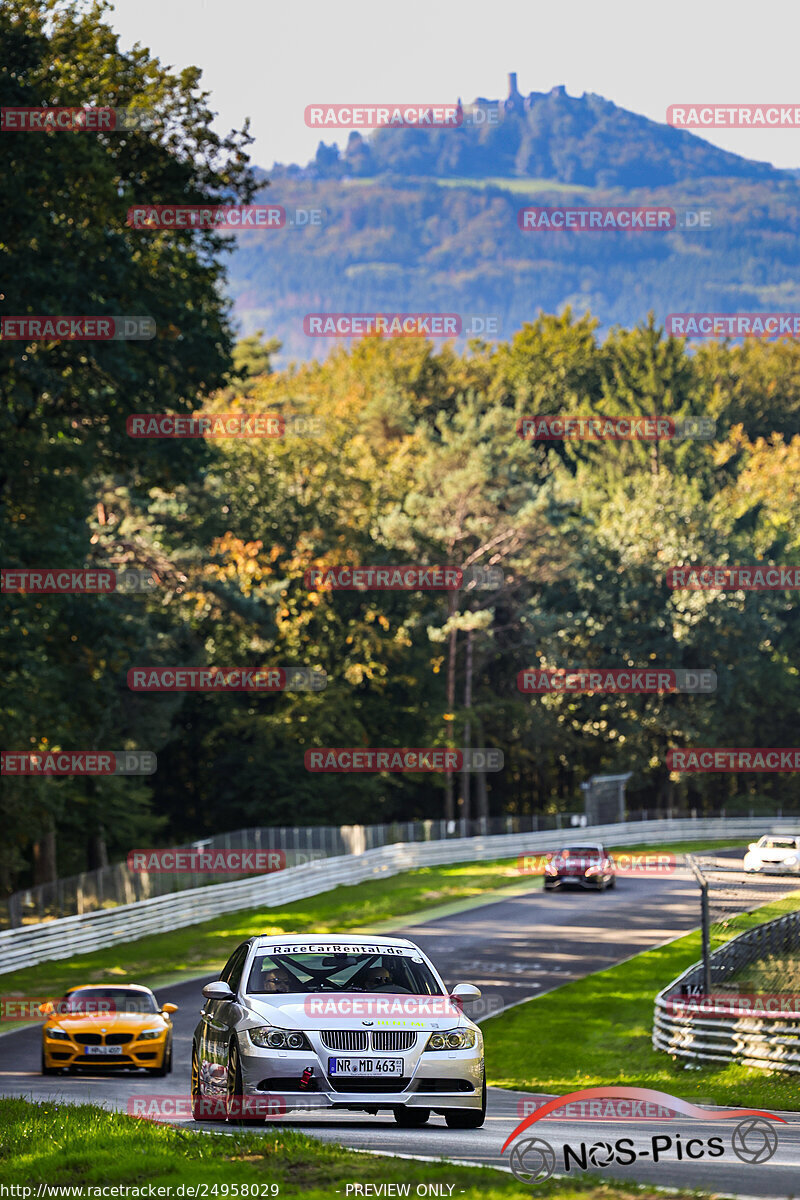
418,460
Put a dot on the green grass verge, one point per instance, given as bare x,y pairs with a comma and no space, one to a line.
85,1146
200,949
597,1031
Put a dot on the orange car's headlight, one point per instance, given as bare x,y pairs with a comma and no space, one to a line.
57,1033
150,1033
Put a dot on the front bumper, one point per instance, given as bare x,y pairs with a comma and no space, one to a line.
431,1079
584,881
770,868
59,1053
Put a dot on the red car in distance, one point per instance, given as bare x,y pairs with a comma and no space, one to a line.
587,865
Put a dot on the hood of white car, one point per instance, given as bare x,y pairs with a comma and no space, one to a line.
358,1010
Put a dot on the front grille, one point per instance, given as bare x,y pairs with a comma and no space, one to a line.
88,1039
369,1086
118,1039
344,1039
392,1039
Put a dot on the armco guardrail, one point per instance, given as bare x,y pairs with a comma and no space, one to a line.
68,936
771,1042
117,884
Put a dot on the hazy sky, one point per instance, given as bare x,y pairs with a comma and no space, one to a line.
268,60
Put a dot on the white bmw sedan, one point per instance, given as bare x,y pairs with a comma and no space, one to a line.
778,855
336,1023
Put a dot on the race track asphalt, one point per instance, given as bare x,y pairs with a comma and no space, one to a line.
513,949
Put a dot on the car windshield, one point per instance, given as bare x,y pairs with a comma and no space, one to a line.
366,972
108,1000
778,843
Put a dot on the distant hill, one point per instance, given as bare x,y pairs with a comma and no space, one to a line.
546,135
426,220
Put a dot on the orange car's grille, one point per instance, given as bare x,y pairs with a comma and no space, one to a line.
118,1039
88,1039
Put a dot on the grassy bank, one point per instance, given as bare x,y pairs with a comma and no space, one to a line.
597,1031
201,949
87,1146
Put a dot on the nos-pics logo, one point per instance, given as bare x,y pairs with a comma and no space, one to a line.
532,1160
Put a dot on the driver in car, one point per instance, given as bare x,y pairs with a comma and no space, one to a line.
379,979
276,979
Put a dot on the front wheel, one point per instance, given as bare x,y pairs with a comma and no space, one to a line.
237,1103
411,1118
204,1108
468,1118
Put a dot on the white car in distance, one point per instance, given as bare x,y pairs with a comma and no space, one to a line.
774,855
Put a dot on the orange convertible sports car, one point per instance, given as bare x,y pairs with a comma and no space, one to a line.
107,1026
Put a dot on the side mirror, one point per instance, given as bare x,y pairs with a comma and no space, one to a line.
465,991
753,846
46,1008
169,1008
218,991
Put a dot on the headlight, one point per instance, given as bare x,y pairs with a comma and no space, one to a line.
150,1033
57,1033
266,1037
792,860
457,1039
